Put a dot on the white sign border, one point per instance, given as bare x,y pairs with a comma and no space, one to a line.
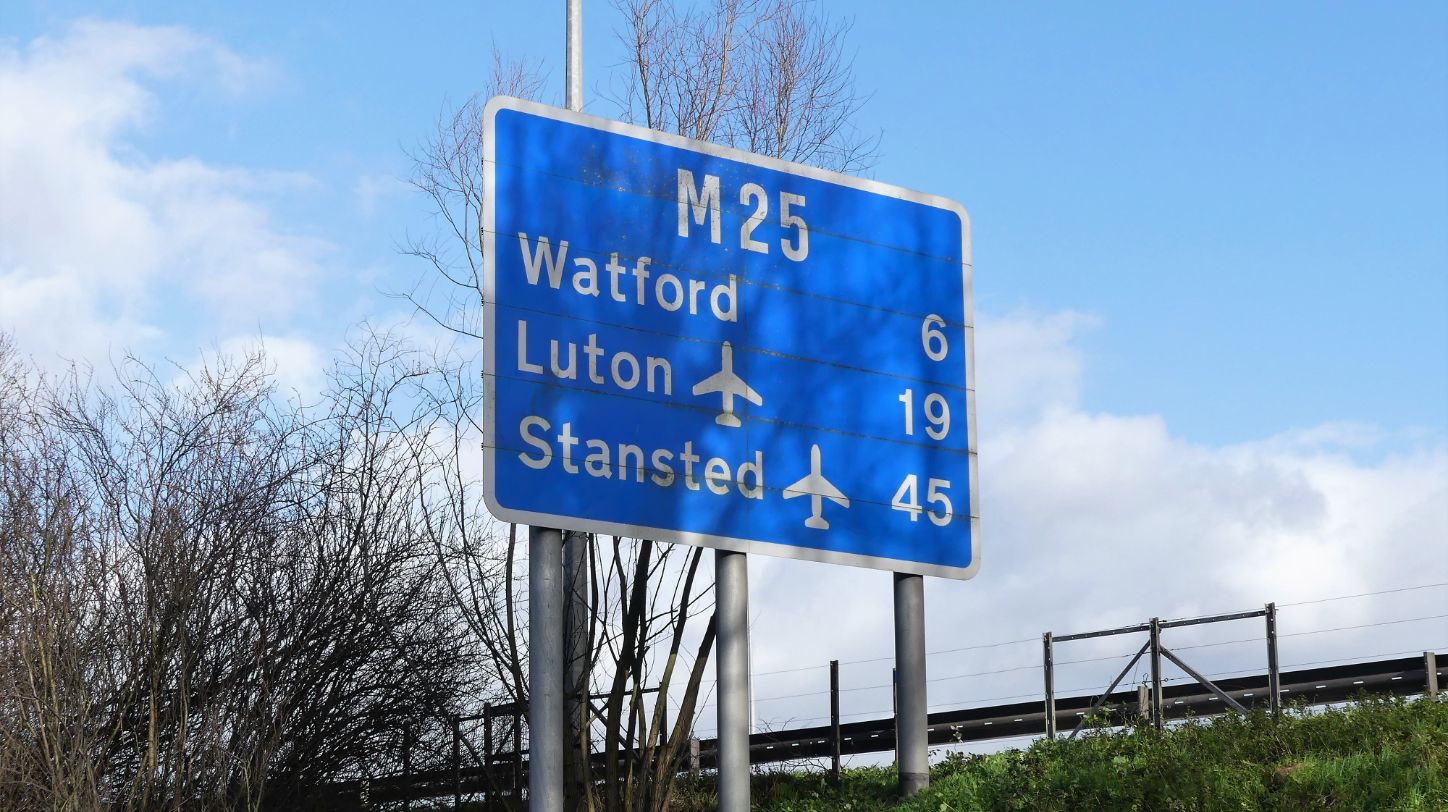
777,549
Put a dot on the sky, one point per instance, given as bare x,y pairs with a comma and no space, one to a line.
1210,277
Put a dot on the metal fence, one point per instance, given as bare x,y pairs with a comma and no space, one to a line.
488,758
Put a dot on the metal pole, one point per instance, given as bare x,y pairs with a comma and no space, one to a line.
1050,668
912,745
1106,694
574,69
457,764
407,768
1206,683
1430,672
487,753
518,749
545,669
835,743
1143,701
1274,686
1156,715
575,679
731,602
575,544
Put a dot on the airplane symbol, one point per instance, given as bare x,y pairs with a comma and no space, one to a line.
818,489
727,383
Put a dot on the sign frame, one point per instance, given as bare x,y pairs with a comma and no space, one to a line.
721,542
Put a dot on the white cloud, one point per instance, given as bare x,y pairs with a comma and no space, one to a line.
103,249
1096,520
372,191
296,365
1027,364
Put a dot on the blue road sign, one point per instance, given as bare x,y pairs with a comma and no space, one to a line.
692,343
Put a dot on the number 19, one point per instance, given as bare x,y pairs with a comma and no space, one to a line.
937,414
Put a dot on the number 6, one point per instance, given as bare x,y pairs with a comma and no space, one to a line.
933,339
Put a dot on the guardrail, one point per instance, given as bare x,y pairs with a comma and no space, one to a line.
1404,676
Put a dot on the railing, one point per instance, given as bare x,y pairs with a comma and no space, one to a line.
1313,686
1404,676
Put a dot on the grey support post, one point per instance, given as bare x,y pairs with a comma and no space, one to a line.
1274,686
574,68
576,669
912,743
1156,709
487,752
835,743
545,669
1430,672
407,768
1049,667
457,763
573,622
731,602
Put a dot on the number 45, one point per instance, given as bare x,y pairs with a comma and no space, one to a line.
907,499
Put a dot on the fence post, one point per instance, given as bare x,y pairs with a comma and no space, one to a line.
487,754
835,743
1274,687
406,768
1156,709
693,757
518,750
1430,667
1049,669
457,763
1143,701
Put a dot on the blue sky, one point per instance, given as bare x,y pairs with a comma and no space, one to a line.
1252,200
1210,243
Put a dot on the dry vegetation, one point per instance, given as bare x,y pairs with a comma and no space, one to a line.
211,598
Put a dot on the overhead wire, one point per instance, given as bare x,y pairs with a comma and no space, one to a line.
1367,658
1313,631
1365,594
884,659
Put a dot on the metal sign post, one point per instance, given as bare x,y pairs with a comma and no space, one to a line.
575,544
731,603
548,663
576,665
912,742
545,670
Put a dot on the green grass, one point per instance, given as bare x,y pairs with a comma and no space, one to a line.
1379,754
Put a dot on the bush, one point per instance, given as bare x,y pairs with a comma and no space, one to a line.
1377,754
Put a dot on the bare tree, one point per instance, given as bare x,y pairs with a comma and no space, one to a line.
47,728
213,599
448,170
767,76
798,100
